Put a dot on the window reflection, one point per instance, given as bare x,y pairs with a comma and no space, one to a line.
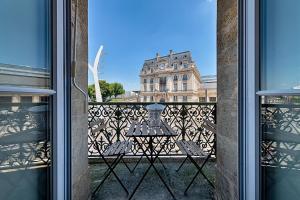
24,148
280,147
25,49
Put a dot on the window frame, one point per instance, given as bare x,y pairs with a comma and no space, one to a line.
250,93
59,184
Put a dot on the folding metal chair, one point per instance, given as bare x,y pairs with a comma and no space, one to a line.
192,150
116,150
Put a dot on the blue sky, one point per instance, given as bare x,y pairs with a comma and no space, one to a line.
134,30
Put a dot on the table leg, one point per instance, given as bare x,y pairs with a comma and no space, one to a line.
152,160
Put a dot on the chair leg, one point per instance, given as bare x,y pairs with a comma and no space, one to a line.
127,166
177,170
159,160
137,163
112,171
106,176
188,187
199,171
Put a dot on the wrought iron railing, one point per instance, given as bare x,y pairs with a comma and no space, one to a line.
185,118
280,130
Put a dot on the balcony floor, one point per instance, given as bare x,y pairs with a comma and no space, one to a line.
152,188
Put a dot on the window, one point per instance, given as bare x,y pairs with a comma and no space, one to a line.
175,87
175,78
184,87
212,99
162,66
163,84
151,88
185,65
145,80
184,98
175,66
279,71
202,99
145,98
151,98
174,98
151,81
28,158
26,99
145,87
184,77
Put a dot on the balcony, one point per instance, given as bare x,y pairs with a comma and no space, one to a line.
184,118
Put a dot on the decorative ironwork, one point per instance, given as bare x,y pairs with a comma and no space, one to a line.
185,118
24,136
280,127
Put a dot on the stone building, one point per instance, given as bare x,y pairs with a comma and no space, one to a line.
208,89
171,78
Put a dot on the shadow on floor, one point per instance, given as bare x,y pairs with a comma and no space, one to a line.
152,187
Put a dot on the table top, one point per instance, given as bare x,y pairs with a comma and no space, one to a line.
138,129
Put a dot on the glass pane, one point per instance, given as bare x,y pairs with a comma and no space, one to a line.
25,147
25,46
280,44
280,147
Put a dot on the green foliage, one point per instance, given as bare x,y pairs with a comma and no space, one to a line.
116,89
91,92
107,90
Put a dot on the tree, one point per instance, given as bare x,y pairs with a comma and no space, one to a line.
116,89
105,90
91,92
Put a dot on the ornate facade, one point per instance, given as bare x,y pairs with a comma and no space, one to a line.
171,78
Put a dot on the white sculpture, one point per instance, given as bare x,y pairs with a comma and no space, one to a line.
94,70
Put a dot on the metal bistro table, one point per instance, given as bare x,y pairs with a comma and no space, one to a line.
142,130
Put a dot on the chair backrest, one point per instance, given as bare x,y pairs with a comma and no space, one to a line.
97,125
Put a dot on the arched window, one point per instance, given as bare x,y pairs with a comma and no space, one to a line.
184,77
175,66
175,78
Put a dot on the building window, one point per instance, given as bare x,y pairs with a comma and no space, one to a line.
145,80
151,70
175,78
151,88
202,99
175,98
5,99
212,99
26,99
175,66
175,87
145,98
185,65
184,77
151,98
184,86
184,98
163,84
151,81
145,87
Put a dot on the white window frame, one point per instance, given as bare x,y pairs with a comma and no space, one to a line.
249,116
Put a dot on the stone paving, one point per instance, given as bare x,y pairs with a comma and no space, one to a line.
152,188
